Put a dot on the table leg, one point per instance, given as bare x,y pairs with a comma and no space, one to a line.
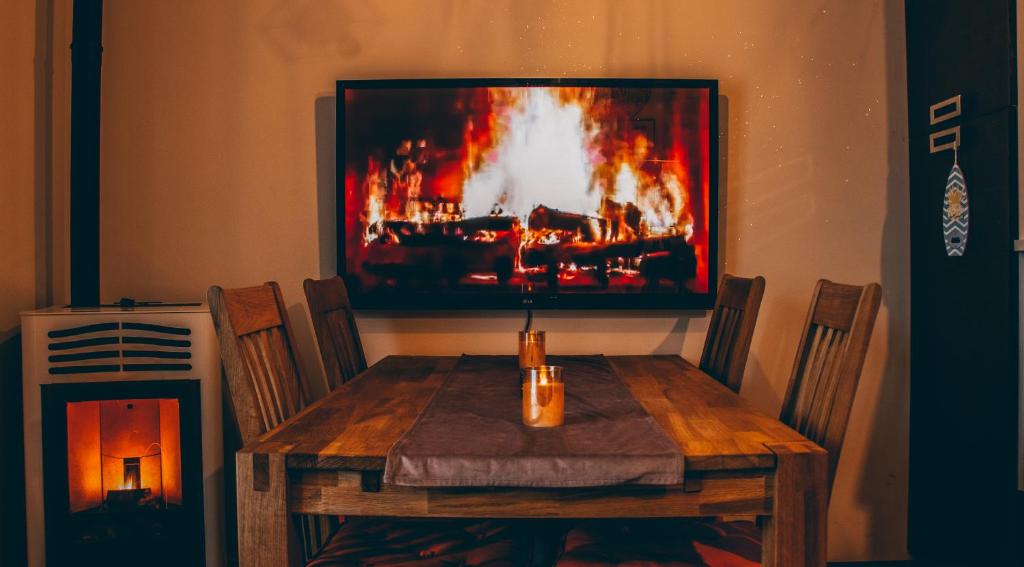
266,537
795,533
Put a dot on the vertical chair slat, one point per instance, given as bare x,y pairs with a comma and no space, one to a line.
261,349
258,380
341,343
713,342
817,370
287,380
827,390
726,338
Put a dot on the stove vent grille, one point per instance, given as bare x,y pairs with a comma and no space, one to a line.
119,346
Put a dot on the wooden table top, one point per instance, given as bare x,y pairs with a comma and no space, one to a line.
354,427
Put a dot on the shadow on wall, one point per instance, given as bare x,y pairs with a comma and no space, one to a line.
754,373
12,491
884,450
325,114
723,182
302,328
757,384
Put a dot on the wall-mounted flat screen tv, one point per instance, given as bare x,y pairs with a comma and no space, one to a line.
501,193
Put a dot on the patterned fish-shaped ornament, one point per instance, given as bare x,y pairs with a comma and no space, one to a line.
955,213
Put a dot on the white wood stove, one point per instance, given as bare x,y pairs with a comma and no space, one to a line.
123,436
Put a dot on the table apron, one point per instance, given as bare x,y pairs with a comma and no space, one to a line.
706,494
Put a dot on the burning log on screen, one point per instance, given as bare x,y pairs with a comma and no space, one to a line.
581,227
412,233
623,220
669,258
557,238
427,253
560,241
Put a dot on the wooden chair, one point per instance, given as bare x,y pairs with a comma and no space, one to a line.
732,327
336,331
828,363
266,386
818,401
265,380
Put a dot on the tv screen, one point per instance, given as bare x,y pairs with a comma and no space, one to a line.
505,193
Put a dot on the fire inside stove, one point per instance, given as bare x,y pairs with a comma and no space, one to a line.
528,188
124,455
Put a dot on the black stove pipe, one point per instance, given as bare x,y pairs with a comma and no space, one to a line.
86,59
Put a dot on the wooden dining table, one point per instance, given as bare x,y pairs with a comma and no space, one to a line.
329,460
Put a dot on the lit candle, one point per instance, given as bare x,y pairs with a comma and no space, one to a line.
531,348
543,396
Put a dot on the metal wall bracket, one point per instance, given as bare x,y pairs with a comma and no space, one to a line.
935,118
952,144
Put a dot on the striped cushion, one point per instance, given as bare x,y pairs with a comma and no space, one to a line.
425,543
663,542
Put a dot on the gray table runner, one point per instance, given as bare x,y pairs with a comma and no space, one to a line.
471,433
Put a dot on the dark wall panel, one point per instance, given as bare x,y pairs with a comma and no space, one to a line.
12,460
964,313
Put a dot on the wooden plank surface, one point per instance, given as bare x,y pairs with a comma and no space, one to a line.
353,428
715,428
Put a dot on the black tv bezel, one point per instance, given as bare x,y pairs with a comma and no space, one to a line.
455,300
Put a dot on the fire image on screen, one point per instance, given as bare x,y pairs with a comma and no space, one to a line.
527,189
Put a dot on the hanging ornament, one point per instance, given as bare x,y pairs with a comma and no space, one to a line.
955,213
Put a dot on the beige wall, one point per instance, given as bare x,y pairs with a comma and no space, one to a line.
17,252
34,76
18,216
217,156
26,250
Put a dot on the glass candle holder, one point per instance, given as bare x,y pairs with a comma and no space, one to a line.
543,396
531,348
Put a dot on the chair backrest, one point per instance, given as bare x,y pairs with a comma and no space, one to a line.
336,330
828,364
732,326
264,377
